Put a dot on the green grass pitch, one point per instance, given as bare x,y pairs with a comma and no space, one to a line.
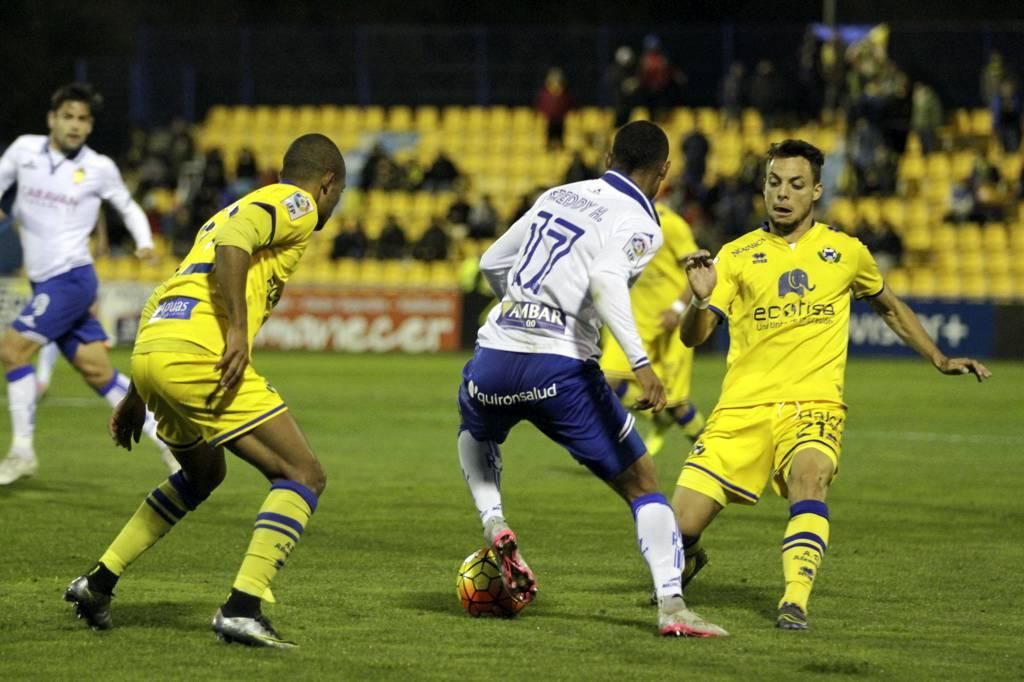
922,580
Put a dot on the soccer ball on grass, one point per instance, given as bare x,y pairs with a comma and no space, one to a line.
480,589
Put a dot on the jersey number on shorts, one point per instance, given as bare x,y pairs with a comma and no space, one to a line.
557,235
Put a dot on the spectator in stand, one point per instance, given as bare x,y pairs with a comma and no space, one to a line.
730,93
526,202
441,175
766,93
1006,114
579,169
368,179
350,242
623,84
433,245
695,148
247,174
731,205
391,242
660,83
992,75
458,211
483,219
554,103
988,191
883,243
926,116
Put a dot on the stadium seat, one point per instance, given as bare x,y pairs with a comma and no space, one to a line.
400,118
981,122
968,237
427,119
972,262
898,280
918,237
922,283
997,262
1001,287
947,286
938,166
995,237
870,209
346,271
975,287
893,210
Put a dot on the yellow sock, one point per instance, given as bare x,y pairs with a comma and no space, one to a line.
162,508
692,422
803,549
279,525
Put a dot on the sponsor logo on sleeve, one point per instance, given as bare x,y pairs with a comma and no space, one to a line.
638,246
177,308
297,205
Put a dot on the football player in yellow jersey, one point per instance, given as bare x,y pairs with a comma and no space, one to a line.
785,291
658,302
191,366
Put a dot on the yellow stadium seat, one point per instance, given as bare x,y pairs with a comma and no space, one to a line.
898,280
125,268
346,271
946,262
912,167
104,268
961,119
994,237
922,282
981,122
400,118
640,114
975,287
427,118
751,121
961,165
997,262
1018,288
938,166
937,190
841,212
894,211
1010,166
968,237
918,237
947,286
972,262
443,274
371,272
373,119
708,120
1000,286
870,209
944,238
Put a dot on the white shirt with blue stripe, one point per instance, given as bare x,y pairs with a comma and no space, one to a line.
58,203
564,269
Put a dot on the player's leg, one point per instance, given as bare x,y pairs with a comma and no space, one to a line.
694,513
280,452
483,427
807,533
88,354
202,470
676,367
16,352
45,363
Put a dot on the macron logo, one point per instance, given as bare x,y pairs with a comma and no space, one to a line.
498,399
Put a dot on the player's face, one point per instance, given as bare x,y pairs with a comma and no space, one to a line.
331,187
70,125
790,192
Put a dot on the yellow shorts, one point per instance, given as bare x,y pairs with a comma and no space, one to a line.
670,360
177,387
742,448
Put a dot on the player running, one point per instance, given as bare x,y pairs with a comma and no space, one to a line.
191,365
559,272
61,183
785,291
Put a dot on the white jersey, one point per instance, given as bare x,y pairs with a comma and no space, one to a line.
58,203
566,266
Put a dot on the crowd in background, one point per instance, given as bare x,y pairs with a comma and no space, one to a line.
881,105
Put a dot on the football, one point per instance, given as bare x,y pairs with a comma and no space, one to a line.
480,589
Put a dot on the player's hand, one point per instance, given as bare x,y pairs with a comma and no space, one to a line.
235,359
963,366
145,254
669,320
700,272
652,396
127,419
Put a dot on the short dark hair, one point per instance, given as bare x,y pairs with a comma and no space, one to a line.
789,149
310,156
77,92
639,145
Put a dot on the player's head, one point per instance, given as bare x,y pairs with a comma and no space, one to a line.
314,163
640,150
72,108
792,183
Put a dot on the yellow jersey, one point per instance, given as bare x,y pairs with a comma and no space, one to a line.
788,309
663,280
186,313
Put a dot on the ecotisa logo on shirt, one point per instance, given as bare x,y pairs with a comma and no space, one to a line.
503,400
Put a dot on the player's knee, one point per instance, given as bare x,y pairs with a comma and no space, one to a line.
14,354
810,482
312,476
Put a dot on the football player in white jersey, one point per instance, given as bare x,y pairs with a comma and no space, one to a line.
560,272
61,183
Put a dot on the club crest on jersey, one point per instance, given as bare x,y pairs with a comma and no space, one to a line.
638,246
760,257
794,282
298,205
830,255
79,176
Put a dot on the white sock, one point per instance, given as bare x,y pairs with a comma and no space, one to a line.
44,365
115,391
21,400
660,542
481,467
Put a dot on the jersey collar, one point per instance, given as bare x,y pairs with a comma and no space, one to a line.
630,189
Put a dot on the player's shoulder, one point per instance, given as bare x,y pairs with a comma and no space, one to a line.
29,143
291,203
834,237
743,244
91,157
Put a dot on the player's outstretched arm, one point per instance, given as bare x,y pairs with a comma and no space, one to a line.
231,270
698,321
127,419
902,320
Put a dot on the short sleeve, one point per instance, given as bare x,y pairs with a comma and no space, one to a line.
251,227
630,248
867,281
726,285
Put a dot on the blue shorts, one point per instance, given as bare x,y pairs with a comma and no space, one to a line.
568,400
59,311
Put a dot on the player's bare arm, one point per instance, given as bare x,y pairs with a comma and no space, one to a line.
231,269
902,320
127,419
653,396
698,322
